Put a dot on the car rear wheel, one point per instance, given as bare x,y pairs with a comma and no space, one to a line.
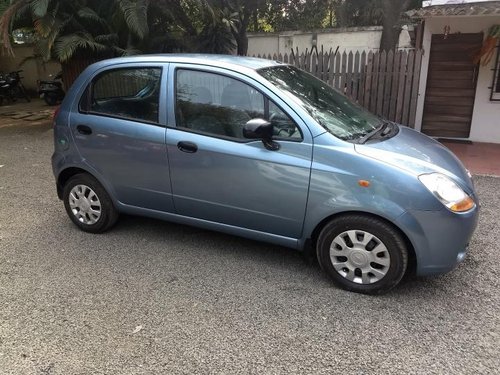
88,204
362,254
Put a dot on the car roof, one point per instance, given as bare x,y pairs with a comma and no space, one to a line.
228,61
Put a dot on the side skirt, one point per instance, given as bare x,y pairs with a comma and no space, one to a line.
210,225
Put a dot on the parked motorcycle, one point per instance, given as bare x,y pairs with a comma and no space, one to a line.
4,89
52,90
17,89
12,88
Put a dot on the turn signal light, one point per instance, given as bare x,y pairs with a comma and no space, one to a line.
464,205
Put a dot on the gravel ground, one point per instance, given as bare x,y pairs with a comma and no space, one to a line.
151,297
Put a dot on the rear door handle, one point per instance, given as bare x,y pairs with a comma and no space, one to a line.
188,147
84,129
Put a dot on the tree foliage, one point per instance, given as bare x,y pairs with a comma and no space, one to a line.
66,29
386,13
296,14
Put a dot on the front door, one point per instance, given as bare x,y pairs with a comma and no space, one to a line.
451,85
217,174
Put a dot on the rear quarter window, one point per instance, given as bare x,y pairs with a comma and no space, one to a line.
130,93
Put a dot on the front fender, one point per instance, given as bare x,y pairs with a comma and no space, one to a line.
327,200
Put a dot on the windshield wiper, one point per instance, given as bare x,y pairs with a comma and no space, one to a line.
381,129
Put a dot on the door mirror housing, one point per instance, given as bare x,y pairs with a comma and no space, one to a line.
259,128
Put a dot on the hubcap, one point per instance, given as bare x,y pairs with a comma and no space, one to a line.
85,204
360,257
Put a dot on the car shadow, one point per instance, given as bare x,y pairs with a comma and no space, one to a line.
212,241
214,244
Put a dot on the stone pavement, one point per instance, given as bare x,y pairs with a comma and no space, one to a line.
21,113
479,158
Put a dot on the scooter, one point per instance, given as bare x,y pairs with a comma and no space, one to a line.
52,90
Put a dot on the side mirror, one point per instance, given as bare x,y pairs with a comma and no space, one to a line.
258,128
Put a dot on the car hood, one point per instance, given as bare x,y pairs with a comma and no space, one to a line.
418,154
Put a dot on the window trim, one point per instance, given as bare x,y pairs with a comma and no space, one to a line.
86,97
494,94
227,138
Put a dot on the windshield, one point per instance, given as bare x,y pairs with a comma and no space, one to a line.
331,109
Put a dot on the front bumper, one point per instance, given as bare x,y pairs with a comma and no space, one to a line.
440,238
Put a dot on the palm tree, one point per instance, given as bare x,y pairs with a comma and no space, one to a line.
67,29
216,35
193,26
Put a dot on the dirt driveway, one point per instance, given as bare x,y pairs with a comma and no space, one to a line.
151,297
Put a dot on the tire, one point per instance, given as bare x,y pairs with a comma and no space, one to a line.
362,254
50,99
88,204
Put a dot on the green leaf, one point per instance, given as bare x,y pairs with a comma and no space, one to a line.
136,16
90,14
127,51
39,7
44,25
66,46
108,39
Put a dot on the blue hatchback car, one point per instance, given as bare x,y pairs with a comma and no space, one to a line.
262,150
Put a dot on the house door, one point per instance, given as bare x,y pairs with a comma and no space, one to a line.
451,85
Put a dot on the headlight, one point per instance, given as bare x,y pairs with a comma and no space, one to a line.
448,192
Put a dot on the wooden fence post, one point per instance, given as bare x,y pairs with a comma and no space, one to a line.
388,84
409,78
401,86
381,83
368,80
355,77
362,78
416,85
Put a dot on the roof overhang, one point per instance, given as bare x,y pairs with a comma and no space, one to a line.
485,8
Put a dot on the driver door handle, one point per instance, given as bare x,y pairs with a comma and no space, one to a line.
188,147
84,129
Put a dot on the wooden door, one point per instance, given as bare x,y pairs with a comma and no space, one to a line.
451,85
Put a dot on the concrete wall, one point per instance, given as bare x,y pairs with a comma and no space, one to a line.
33,70
486,116
354,38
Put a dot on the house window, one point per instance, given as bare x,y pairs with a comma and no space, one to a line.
495,87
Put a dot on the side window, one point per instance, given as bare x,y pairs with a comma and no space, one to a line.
219,105
284,126
215,104
132,93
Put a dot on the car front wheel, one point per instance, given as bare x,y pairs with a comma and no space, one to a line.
362,254
88,204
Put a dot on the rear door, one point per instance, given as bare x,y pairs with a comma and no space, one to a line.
119,129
